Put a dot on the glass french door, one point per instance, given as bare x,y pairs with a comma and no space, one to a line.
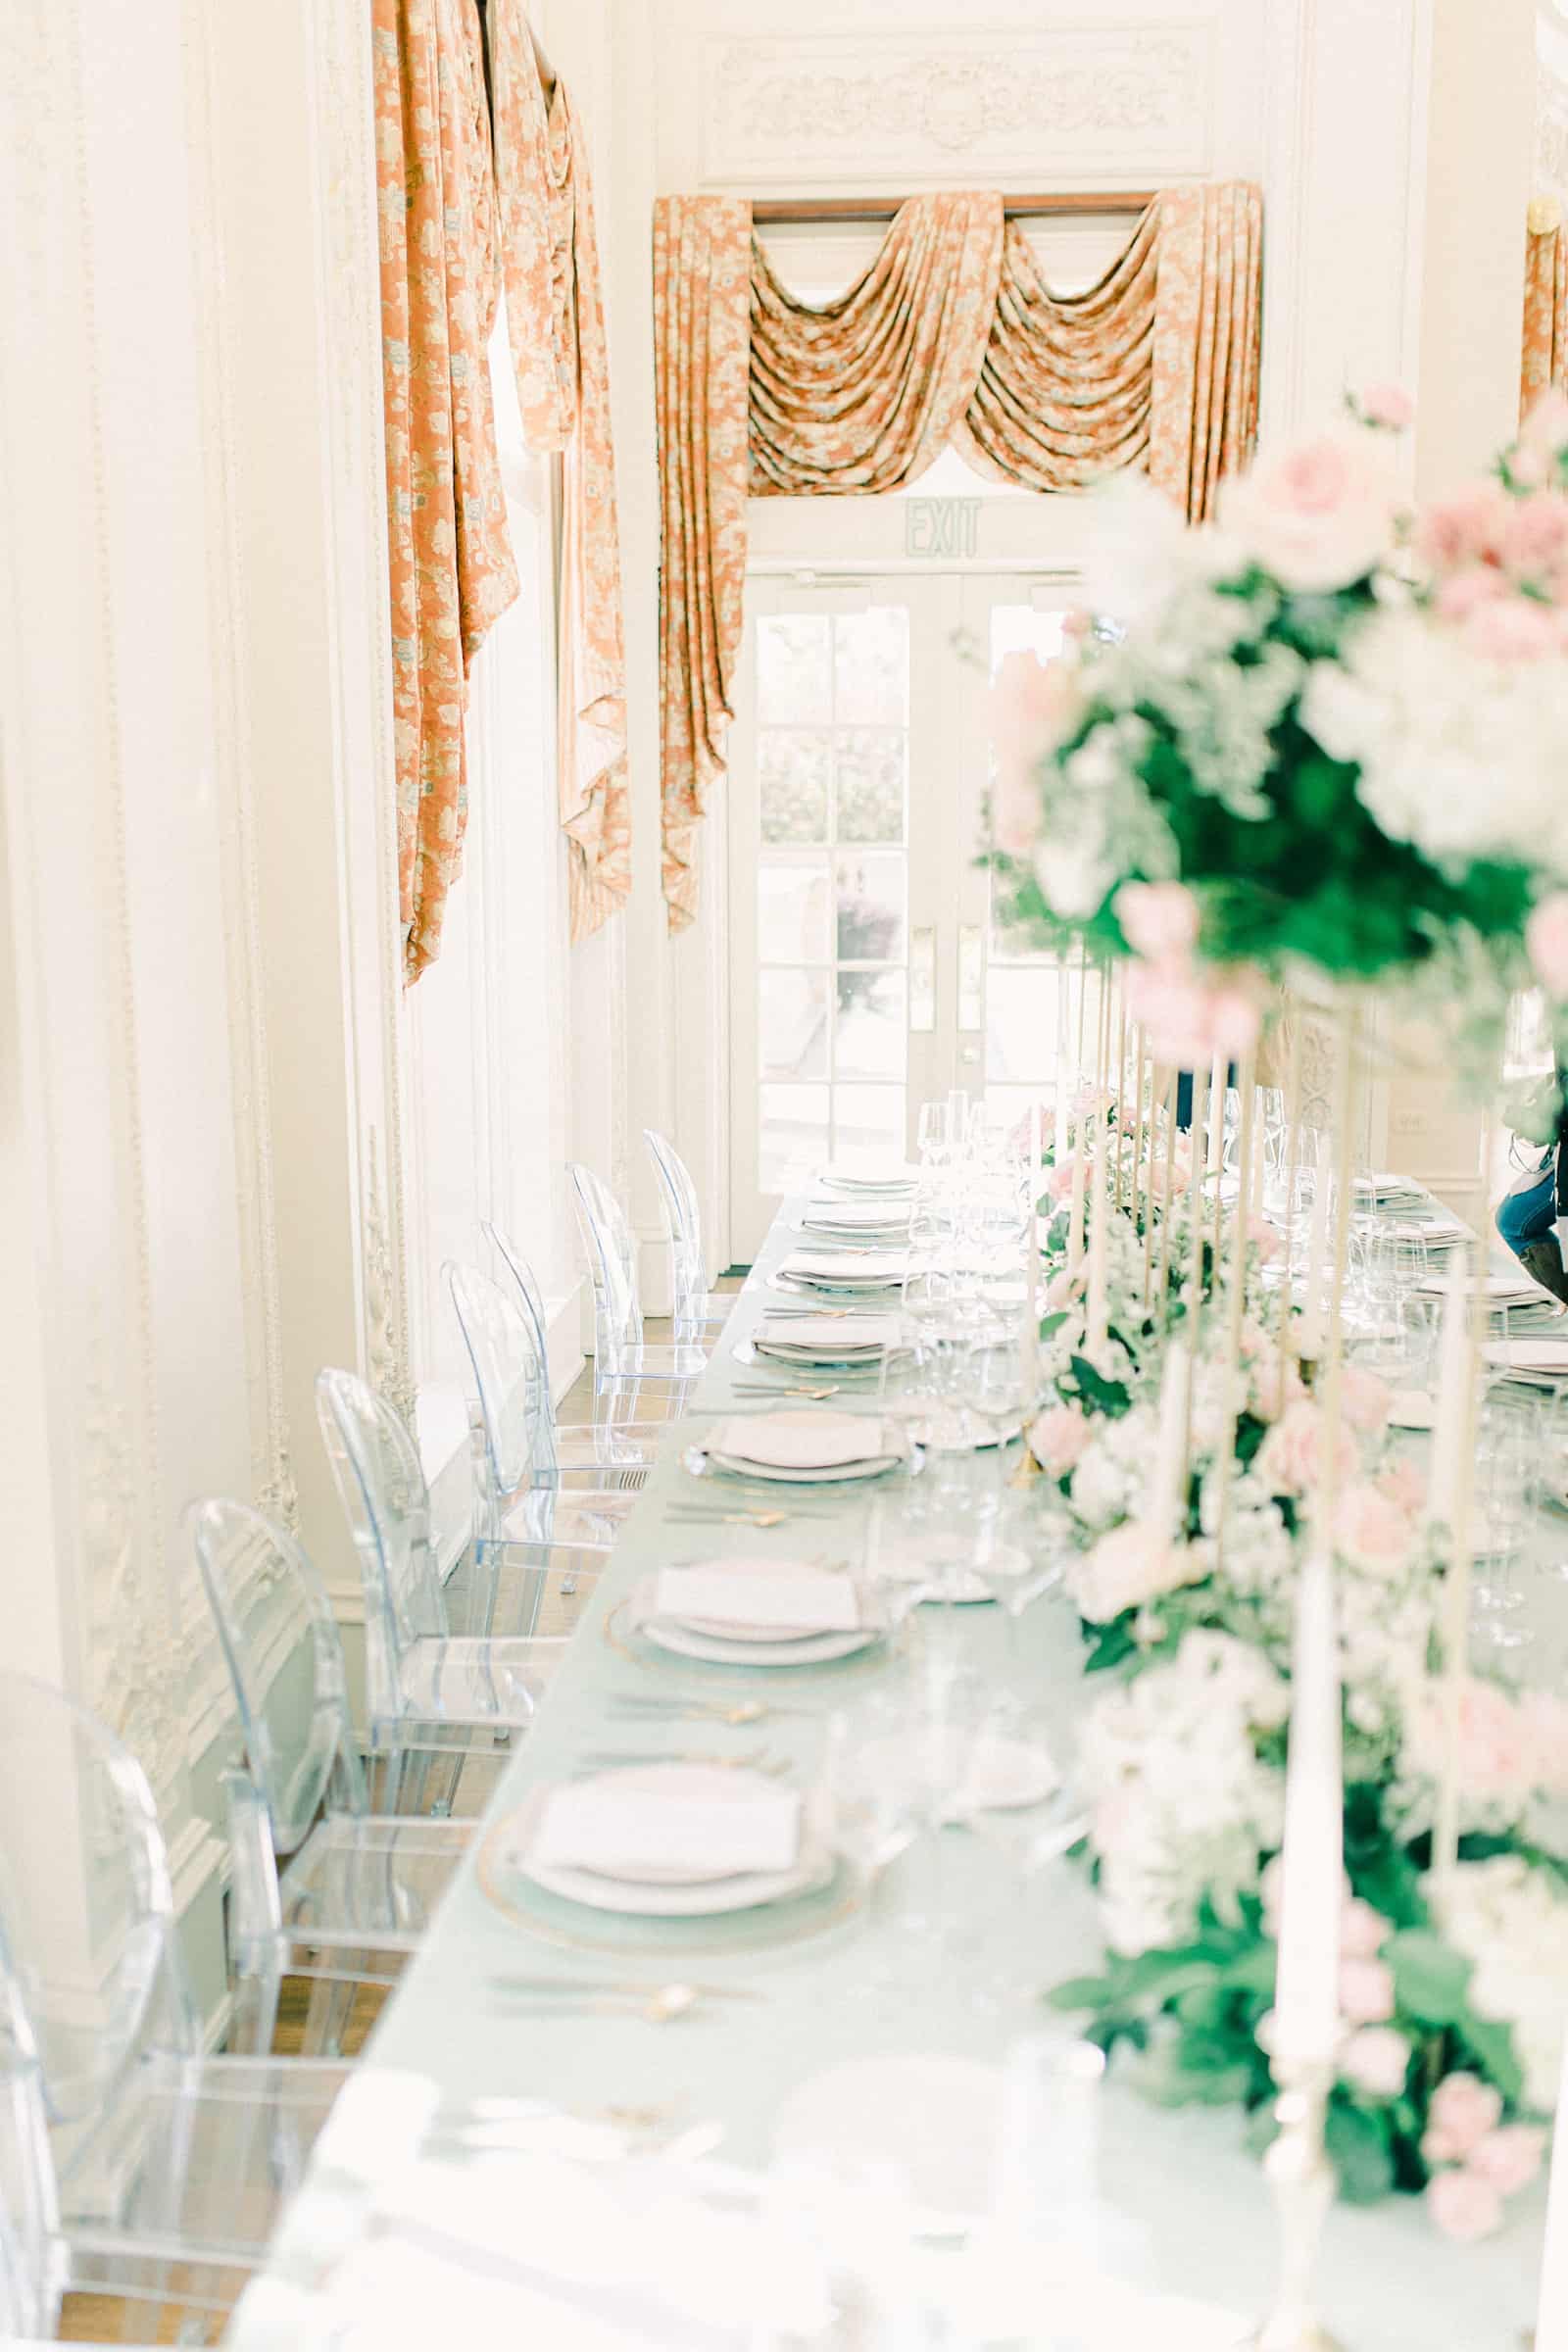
867,973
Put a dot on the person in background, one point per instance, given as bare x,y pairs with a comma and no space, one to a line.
1532,1214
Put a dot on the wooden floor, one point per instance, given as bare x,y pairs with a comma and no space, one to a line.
101,2318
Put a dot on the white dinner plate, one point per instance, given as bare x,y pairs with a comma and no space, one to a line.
820,1650
746,1630
740,1890
704,1464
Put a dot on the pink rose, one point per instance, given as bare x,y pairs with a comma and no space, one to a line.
1059,1438
1509,1750
1188,1019
1468,527
1263,1384
1372,1533
1509,2158
1512,628
1465,593
1133,1564
1160,920
1376,2059
1547,944
1364,1400
1320,516
1291,1459
1387,405
1058,1182
1402,1483
1363,1930
1033,707
1534,538
1463,2206
1367,1992
1462,2111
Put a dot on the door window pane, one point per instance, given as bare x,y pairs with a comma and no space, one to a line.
872,783
793,766
871,666
794,670
870,906
792,1024
793,1135
869,1040
1020,1021
791,911
867,1118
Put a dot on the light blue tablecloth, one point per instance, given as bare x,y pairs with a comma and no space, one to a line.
1391,2285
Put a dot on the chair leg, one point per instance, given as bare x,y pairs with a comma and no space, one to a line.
257,1977
331,2002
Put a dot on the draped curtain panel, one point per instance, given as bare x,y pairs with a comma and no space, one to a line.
1545,338
951,335
451,564
556,328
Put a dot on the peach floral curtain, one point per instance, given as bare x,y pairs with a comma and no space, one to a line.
702,292
951,335
452,571
556,328
1545,337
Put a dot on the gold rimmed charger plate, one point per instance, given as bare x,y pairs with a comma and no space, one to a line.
795,1919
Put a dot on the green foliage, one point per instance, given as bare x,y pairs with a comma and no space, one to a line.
1113,1398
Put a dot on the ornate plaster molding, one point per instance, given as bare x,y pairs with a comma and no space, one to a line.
1094,101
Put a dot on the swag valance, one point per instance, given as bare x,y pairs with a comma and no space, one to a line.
1545,337
951,335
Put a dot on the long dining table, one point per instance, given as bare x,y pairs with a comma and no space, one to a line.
1199,2216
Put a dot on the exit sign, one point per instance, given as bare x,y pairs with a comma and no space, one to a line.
942,527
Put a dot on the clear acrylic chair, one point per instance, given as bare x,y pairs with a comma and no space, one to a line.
698,1310
525,1492
354,1884
432,1694
152,2154
578,1445
626,1365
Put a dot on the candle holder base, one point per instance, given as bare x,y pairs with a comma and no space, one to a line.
1281,2334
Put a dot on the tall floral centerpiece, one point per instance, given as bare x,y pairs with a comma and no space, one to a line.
1320,743
1326,734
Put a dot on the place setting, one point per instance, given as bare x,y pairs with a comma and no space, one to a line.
843,1273
802,1449
666,1858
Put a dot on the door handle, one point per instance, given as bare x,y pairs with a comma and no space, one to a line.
923,979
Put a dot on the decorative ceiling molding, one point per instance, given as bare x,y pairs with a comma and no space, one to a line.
1072,103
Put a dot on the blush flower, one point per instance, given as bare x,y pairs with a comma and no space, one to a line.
1376,2059
1547,944
1059,1438
1509,2158
1132,1564
1317,515
1462,2111
1292,1456
1367,1992
1160,920
1463,2206
1372,1533
1387,405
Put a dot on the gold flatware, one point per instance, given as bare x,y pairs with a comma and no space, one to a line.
703,1710
631,1987
662,2008
762,1761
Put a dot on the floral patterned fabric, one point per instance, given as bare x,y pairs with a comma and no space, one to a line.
951,335
556,328
1203,420
1065,388
864,393
701,293
1545,334
452,571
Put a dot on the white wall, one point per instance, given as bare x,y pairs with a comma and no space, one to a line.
196,1032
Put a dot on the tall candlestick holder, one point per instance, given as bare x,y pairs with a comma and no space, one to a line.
1301,2180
